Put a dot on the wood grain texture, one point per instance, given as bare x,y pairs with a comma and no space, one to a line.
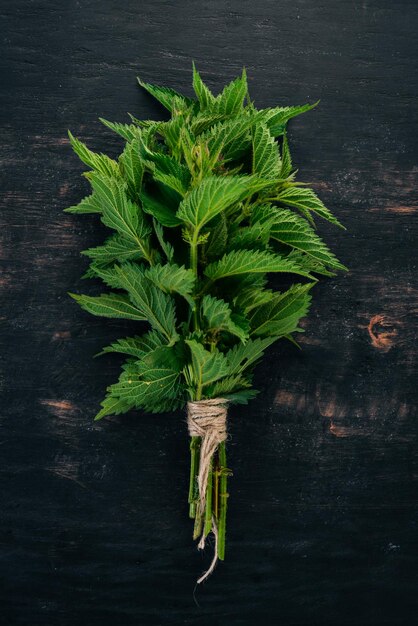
323,513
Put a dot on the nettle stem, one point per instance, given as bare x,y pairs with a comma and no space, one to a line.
216,494
194,470
223,499
213,517
194,265
208,511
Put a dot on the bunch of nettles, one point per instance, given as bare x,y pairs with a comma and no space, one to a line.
203,208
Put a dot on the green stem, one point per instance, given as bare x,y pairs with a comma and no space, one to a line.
195,455
223,498
194,469
216,490
208,510
198,522
194,263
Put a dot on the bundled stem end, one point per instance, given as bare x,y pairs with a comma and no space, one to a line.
208,474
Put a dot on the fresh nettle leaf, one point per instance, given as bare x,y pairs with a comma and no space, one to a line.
97,162
249,262
277,117
244,356
307,202
228,140
87,205
266,157
231,100
165,95
119,213
217,238
293,231
160,210
218,317
109,305
280,316
204,95
286,167
214,195
137,346
115,248
166,247
132,168
171,278
206,366
156,305
207,225
256,236
127,131
113,406
154,388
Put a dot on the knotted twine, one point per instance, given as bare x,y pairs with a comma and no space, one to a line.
207,419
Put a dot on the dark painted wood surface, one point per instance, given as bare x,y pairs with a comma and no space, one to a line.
323,518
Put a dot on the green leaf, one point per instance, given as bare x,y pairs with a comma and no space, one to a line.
231,100
173,279
149,125
307,201
217,239
248,299
214,195
109,305
149,388
206,367
228,140
217,317
188,147
165,245
87,205
171,131
171,181
132,167
203,93
113,406
107,273
276,118
232,286
255,236
281,315
266,158
166,169
156,306
309,263
127,131
137,346
286,167
165,95
154,382
115,248
99,162
160,210
294,231
243,356
120,213
242,396
251,261
226,386
203,121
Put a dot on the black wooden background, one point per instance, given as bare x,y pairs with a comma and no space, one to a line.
323,524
